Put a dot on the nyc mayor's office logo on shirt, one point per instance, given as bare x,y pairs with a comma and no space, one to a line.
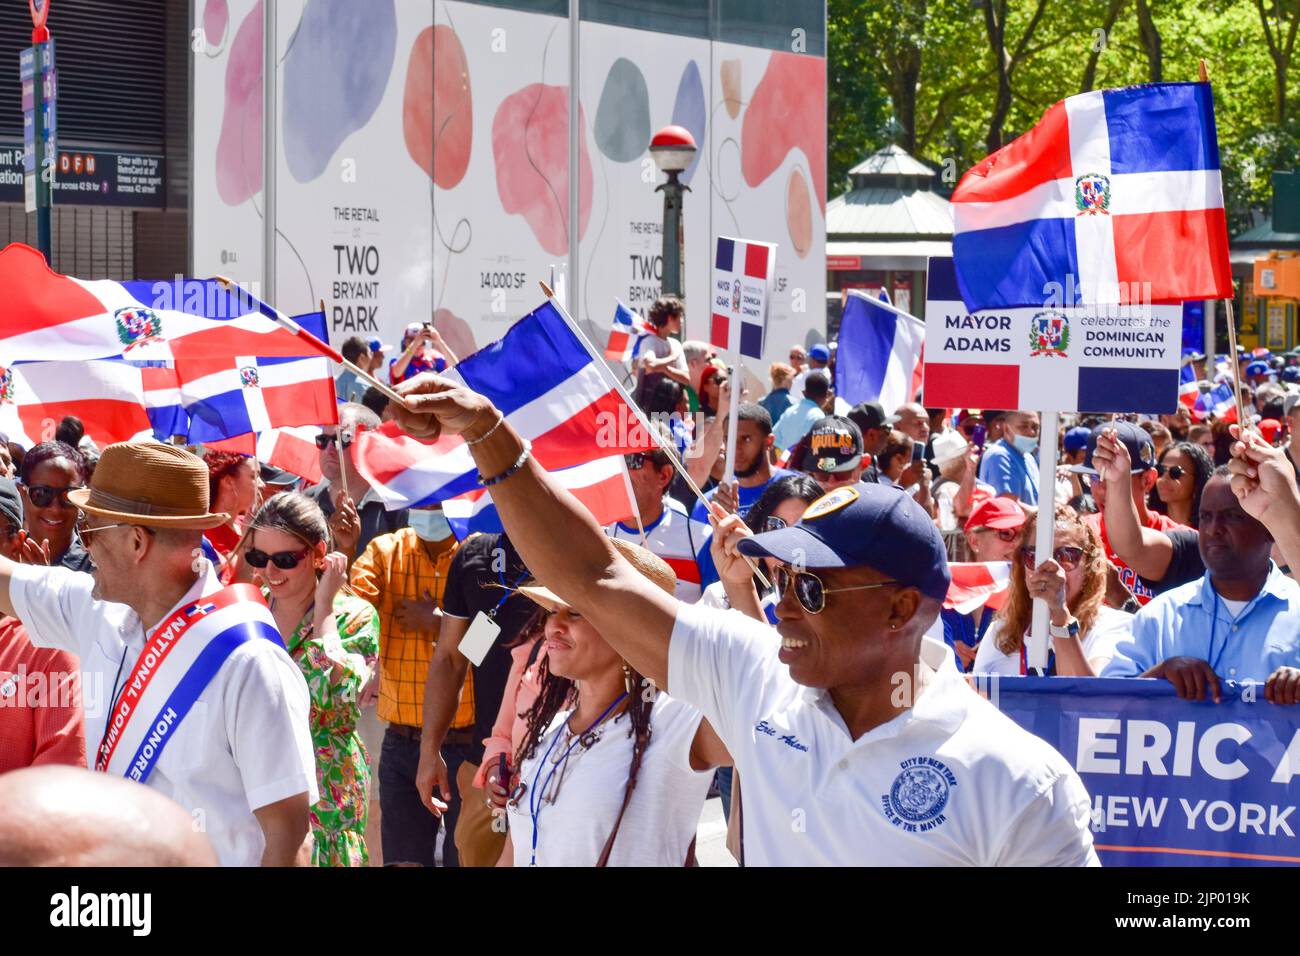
917,799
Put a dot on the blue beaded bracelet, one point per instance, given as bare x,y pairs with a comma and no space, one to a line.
519,463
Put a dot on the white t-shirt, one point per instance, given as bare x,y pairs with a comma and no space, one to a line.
245,743
1110,627
662,818
950,782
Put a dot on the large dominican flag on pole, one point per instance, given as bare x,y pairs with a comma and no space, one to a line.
1114,197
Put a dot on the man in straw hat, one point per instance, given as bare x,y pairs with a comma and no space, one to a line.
854,749
221,722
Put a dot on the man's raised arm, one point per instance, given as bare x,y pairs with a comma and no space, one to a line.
1147,551
556,536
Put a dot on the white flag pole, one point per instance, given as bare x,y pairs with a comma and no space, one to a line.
733,421
1040,639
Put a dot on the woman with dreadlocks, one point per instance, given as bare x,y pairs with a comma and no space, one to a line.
612,772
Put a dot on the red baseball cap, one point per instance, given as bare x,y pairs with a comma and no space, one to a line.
996,513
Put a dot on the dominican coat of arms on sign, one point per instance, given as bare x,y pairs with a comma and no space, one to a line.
1092,195
7,388
1049,334
248,375
137,325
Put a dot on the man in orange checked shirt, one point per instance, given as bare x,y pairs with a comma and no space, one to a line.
403,575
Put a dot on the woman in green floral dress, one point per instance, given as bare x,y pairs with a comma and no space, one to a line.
333,635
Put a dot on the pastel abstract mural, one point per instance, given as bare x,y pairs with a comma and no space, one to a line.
787,111
689,112
530,147
731,87
334,74
216,17
798,213
622,130
437,107
239,146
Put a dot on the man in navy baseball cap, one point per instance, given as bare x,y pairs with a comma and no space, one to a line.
863,559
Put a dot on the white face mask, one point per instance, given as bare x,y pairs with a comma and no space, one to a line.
429,525
1024,443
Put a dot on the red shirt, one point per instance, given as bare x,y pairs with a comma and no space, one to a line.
41,716
1127,575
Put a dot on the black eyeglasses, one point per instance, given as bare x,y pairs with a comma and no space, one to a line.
640,459
1068,558
1003,534
42,496
284,560
324,441
809,590
1175,472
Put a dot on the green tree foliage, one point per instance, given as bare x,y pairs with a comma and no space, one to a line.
950,80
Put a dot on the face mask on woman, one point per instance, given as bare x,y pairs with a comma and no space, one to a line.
429,525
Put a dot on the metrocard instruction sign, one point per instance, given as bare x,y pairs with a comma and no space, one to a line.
1051,358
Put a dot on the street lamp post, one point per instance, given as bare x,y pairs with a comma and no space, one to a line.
673,148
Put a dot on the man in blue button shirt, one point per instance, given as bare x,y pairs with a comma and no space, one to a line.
1009,464
1240,622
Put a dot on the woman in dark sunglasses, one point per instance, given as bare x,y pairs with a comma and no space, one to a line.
333,636
50,470
1181,475
1083,631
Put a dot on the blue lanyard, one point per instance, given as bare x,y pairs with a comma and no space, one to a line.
510,591
535,798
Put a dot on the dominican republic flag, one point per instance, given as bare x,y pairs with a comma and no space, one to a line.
879,354
1114,197
1217,402
108,397
742,286
47,317
553,391
293,449
976,584
626,334
1188,388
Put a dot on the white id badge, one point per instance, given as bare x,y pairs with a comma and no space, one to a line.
479,638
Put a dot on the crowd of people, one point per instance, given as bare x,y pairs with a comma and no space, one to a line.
564,694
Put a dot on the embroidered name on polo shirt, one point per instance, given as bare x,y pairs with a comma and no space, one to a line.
790,740
919,795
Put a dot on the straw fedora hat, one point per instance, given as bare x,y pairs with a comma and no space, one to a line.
149,483
649,564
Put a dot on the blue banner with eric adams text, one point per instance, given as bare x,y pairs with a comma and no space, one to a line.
1172,782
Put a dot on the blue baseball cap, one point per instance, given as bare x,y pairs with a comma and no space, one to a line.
379,345
1076,439
863,525
1291,373
820,352
1257,368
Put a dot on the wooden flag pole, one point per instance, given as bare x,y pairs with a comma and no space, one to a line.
640,416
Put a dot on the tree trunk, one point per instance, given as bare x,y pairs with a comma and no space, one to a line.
1150,35
1090,70
995,21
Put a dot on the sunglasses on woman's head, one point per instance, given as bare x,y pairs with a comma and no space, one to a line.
1175,472
1068,558
42,496
284,560
809,590
324,441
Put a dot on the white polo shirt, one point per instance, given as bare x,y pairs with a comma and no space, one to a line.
245,743
950,782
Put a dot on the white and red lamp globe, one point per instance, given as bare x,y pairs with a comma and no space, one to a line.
673,148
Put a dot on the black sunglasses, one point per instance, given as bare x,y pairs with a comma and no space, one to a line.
284,560
42,496
773,523
324,441
1175,472
1068,558
809,590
